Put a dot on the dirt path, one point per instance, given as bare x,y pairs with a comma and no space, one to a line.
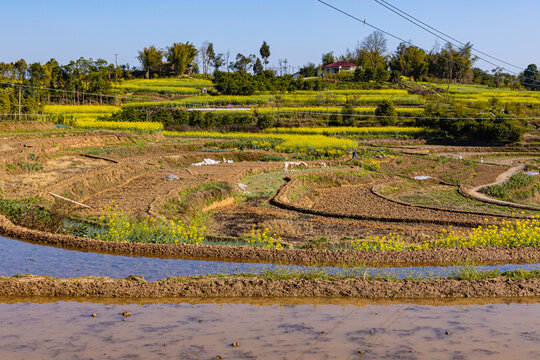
474,192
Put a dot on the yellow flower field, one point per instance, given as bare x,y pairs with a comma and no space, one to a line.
314,145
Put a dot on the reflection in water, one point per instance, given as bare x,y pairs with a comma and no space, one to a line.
19,257
66,330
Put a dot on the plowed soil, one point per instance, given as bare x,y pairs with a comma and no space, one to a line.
360,201
238,286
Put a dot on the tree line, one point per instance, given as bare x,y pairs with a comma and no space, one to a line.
89,81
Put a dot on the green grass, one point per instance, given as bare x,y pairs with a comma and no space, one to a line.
503,191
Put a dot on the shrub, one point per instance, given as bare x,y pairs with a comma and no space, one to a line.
386,113
265,121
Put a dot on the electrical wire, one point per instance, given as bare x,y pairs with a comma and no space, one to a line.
397,11
405,41
387,4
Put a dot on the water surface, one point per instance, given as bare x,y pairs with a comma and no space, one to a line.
66,330
20,257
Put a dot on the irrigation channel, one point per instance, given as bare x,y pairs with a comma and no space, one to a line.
264,329
20,257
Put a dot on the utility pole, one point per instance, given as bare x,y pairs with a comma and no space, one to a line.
19,103
115,60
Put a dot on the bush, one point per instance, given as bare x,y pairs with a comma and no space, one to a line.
265,121
386,113
347,114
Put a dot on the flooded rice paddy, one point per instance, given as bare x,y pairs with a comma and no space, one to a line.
285,329
19,257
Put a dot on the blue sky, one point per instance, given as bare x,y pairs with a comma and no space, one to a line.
299,30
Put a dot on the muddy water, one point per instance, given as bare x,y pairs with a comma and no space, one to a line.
66,330
19,257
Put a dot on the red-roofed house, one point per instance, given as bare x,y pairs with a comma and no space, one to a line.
336,67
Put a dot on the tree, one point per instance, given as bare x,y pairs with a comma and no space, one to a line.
265,53
180,55
150,59
5,104
226,59
530,78
20,68
451,63
328,58
218,62
207,53
242,62
308,70
386,113
375,46
257,66
410,61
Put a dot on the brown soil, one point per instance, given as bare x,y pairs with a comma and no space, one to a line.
297,228
15,126
282,256
239,286
360,202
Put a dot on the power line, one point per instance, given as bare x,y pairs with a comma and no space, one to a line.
387,5
399,11
403,40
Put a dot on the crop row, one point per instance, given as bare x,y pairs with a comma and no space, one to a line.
80,109
118,125
312,145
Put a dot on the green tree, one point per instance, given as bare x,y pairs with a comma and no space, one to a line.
530,78
5,103
386,113
328,58
21,67
347,113
243,63
218,61
410,61
265,53
150,59
308,70
180,55
257,66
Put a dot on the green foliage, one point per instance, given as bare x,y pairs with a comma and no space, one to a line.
265,52
410,61
273,158
120,227
28,213
468,124
347,114
180,55
150,59
386,113
515,182
265,121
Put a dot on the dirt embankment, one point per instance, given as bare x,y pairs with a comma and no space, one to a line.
281,256
240,286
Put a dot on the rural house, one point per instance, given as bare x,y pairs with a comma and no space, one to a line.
337,67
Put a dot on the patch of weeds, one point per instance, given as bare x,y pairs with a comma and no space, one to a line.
273,158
